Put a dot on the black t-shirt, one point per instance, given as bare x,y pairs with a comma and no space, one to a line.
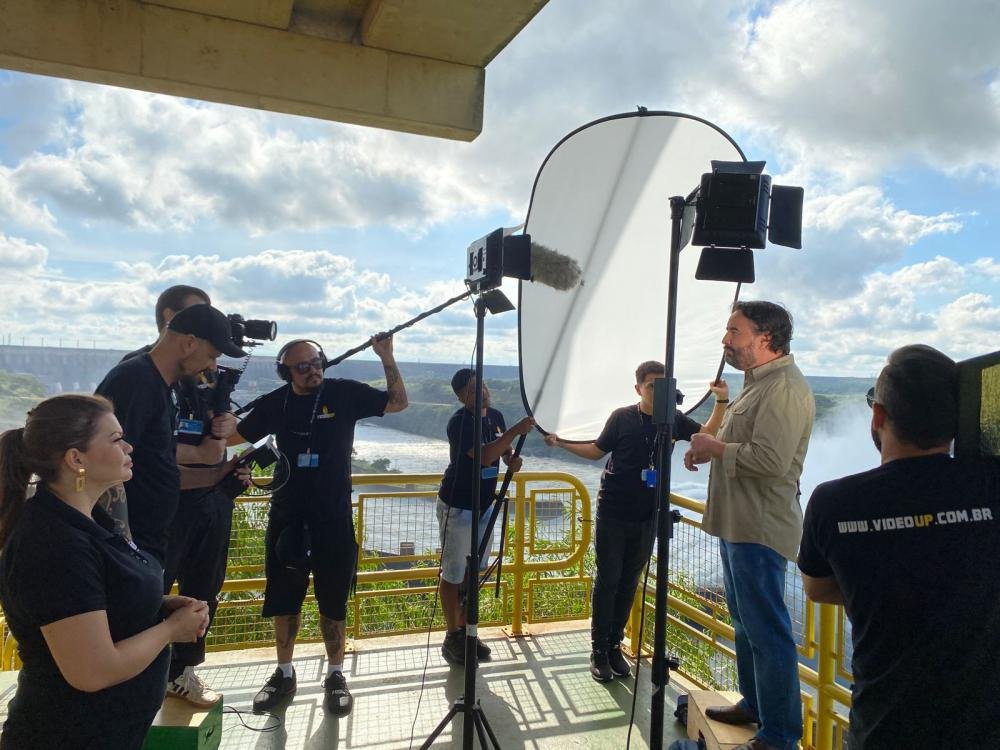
186,398
913,546
146,408
59,563
320,424
456,484
630,437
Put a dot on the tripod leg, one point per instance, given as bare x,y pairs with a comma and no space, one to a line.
452,712
481,716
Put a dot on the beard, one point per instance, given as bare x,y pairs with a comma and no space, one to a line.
737,358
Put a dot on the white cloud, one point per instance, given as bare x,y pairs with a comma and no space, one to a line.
20,209
852,87
17,255
840,96
921,303
843,87
988,267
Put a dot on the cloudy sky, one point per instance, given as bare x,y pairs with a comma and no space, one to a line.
888,113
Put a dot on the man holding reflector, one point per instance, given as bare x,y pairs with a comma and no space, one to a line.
753,508
626,502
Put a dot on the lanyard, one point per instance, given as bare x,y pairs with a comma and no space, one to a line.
650,440
312,418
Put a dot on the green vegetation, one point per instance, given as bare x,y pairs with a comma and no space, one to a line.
18,393
989,411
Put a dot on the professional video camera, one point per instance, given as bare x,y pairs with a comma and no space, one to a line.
261,330
213,391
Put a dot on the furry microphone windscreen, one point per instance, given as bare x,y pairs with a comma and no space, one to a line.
554,269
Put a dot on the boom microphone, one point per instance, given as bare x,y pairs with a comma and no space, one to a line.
552,268
528,260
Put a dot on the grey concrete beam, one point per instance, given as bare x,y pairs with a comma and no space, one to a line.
154,48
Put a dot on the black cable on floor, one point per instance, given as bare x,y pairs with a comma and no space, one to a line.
267,715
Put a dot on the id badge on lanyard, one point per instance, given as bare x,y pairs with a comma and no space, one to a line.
308,460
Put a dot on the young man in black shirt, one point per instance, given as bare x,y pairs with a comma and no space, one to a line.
623,537
313,419
454,505
145,404
907,549
198,543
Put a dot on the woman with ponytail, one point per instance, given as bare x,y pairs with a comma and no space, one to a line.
85,605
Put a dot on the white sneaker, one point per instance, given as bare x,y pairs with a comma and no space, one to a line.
190,687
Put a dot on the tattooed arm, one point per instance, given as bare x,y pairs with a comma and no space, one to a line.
115,503
393,380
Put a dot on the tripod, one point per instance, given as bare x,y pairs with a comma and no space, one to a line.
467,705
664,407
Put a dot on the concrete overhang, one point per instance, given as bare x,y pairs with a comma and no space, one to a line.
416,66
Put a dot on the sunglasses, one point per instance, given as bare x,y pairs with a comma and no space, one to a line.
304,367
870,397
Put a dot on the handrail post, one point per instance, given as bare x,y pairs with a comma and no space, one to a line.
634,618
517,608
827,671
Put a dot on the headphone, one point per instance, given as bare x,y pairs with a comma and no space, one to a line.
283,370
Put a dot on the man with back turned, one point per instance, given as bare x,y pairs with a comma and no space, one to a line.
908,548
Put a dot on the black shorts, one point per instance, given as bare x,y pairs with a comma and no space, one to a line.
333,562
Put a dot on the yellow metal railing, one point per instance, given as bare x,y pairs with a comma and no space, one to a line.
543,579
546,577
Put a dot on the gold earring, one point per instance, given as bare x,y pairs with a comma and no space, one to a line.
81,479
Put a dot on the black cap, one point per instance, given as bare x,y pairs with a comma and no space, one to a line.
205,322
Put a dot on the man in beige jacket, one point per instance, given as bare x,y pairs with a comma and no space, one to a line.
753,508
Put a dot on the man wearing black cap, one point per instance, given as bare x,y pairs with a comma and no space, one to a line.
145,405
198,541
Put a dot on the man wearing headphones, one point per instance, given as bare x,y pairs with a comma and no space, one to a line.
310,524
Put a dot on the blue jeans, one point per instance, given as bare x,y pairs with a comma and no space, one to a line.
766,659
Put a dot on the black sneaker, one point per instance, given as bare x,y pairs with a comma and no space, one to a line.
338,700
600,670
616,660
482,651
453,648
274,691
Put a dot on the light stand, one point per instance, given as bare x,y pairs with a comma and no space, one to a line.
733,206
664,410
467,704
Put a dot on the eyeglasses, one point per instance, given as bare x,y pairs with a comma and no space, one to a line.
303,368
870,397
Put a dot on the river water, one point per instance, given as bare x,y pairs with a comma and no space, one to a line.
388,525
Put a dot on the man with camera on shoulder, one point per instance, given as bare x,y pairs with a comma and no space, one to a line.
196,540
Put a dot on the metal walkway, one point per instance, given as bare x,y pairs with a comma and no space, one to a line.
536,693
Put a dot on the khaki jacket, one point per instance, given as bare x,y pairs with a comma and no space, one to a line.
753,490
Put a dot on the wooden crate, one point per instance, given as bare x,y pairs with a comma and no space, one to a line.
180,726
717,736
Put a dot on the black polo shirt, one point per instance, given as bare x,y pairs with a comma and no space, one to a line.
630,437
457,482
320,424
147,410
59,563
